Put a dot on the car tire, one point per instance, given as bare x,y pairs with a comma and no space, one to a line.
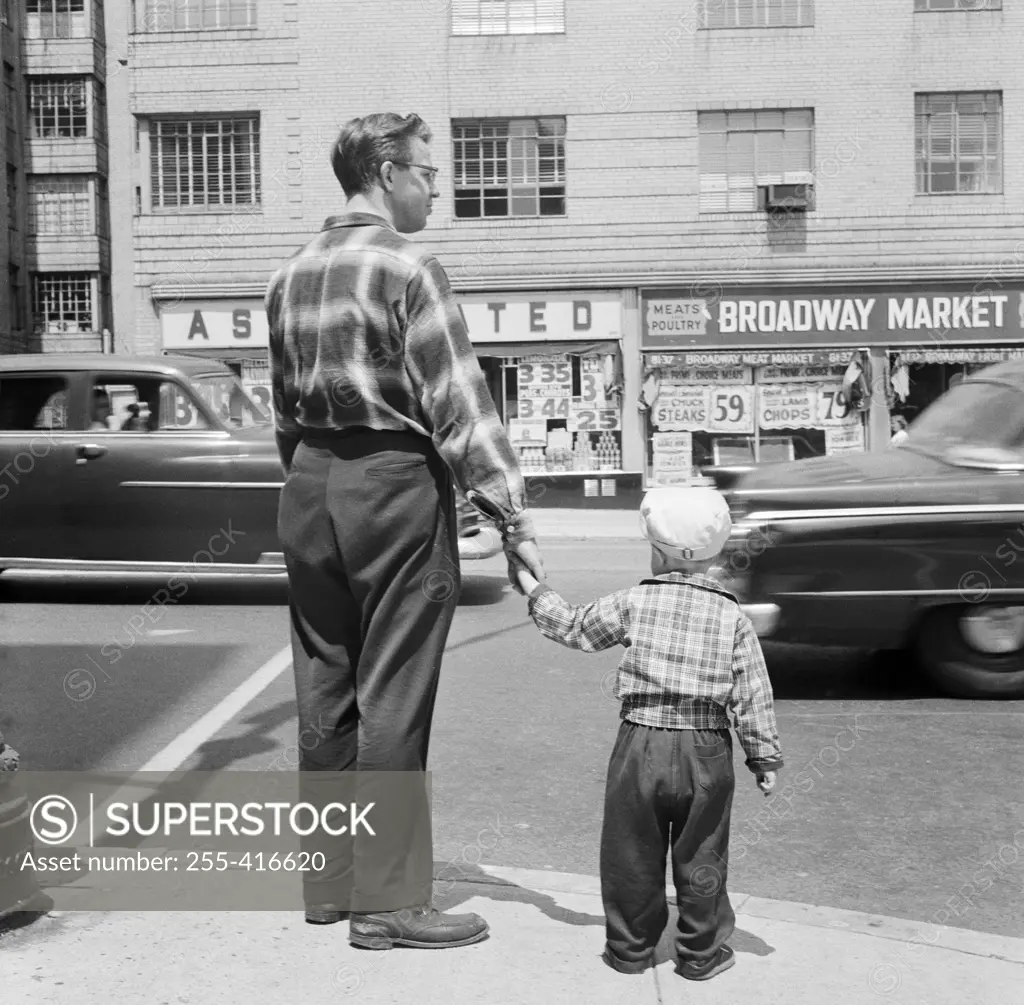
961,670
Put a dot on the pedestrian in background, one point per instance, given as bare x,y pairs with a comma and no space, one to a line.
691,654
378,402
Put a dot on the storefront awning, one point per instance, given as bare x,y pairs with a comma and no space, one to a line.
511,350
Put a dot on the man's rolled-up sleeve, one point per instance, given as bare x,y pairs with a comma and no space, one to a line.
453,395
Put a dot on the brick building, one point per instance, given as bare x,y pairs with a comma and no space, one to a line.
709,231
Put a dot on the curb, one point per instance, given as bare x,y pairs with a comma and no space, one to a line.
959,940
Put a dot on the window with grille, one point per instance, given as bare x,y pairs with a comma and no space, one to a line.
60,205
12,197
55,19
743,152
921,5
757,13
959,143
509,167
205,163
508,17
194,15
63,302
58,107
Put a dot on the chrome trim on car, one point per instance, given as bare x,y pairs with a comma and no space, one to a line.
764,617
202,485
883,512
119,571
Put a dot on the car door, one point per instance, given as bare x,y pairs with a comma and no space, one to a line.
148,481
36,456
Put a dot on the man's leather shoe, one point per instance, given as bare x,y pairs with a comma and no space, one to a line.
324,916
419,928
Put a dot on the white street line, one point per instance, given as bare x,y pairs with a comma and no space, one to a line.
182,747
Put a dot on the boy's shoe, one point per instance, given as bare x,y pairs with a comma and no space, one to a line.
418,928
704,970
626,966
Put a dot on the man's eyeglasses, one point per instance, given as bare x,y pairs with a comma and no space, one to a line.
431,171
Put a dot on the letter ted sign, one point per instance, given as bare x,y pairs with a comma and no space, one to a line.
986,312
215,324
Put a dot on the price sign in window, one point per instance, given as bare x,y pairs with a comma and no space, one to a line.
833,407
731,409
545,380
588,419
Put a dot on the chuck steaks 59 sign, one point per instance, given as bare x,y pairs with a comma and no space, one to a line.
984,312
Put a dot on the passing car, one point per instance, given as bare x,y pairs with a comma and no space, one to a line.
918,547
121,467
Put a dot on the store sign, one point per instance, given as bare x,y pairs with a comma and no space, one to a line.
983,313
672,460
789,359
959,355
542,318
215,324
845,440
804,406
680,408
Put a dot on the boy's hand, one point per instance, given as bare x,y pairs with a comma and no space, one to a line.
766,782
527,581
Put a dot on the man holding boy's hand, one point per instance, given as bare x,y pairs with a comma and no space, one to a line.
691,654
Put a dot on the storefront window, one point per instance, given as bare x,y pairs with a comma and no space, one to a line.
711,416
562,411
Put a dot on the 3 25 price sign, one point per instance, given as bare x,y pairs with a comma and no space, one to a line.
731,409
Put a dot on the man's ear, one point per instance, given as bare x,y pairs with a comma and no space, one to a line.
386,176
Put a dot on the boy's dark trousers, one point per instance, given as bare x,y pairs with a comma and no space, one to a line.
667,790
369,530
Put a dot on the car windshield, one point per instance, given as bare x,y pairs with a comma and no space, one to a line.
974,420
227,398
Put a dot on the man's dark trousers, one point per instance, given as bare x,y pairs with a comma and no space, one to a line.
667,789
369,530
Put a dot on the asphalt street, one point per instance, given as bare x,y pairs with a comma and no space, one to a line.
893,797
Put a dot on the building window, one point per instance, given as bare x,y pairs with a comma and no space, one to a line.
508,17
60,205
194,15
959,143
63,302
16,307
58,107
743,153
12,107
12,197
55,19
757,14
509,167
923,5
205,163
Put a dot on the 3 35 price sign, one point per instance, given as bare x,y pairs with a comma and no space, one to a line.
731,409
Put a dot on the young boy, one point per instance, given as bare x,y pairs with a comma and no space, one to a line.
690,654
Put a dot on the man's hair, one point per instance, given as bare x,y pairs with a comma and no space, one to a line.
364,144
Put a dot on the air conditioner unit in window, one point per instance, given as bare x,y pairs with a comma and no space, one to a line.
794,198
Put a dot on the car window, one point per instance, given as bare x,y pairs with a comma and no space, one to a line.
33,403
142,404
977,413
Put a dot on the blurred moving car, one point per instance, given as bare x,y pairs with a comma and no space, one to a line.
918,548
122,467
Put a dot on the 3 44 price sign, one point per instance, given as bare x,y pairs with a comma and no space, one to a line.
544,408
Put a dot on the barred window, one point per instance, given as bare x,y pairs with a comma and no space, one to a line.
194,15
55,19
922,5
959,143
60,205
508,17
58,107
509,167
205,163
63,302
742,152
757,13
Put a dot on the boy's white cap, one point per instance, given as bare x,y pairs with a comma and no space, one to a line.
687,523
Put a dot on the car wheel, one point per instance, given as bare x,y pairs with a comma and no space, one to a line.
974,651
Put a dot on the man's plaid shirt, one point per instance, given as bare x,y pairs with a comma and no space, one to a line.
365,331
691,654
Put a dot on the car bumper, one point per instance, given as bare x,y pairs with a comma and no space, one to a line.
764,617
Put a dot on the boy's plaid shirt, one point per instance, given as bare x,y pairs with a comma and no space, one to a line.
365,331
691,653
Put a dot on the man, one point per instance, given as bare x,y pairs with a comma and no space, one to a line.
101,410
378,400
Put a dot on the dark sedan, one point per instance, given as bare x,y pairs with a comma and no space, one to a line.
917,547
119,467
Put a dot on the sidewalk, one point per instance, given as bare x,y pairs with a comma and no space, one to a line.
583,524
547,931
